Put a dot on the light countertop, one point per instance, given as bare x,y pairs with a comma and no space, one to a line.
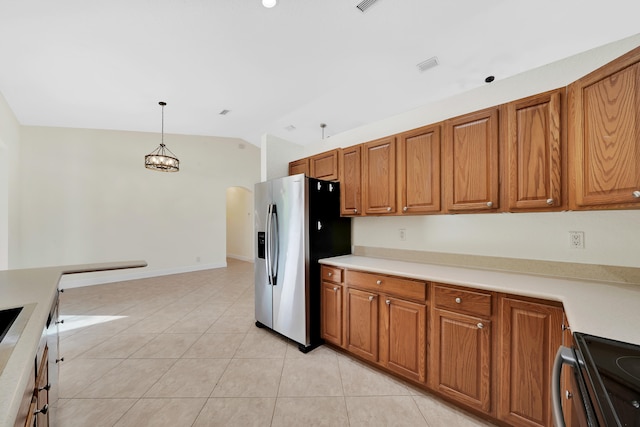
610,310
36,286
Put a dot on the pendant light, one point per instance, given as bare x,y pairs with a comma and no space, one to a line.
269,3
162,159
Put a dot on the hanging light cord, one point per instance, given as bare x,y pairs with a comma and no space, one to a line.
162,104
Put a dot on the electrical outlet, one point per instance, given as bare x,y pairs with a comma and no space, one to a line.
576,239
403,234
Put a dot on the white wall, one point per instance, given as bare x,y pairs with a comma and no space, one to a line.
85,196
275,156
240,224
9,151
611,237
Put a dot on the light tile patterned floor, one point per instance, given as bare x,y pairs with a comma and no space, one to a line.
183,350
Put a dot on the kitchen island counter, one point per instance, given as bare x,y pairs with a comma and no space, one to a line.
604,309
37,287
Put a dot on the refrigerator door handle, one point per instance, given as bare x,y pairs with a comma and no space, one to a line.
267,244
276,241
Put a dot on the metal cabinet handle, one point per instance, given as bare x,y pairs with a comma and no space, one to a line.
389,209
60,360
550,202
490,204
458,300
42,411
568,394
371,297
59,321
329,274
378,282
47,387
636,194
335,289
405,209
355,211
388,302
480,326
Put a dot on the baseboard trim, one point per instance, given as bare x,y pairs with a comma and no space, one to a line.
241,258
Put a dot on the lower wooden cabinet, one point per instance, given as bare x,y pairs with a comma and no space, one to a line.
531,333
403,346
490,352
362,323
331,313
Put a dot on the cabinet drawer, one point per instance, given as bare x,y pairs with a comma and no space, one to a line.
332,274
403,288
462,300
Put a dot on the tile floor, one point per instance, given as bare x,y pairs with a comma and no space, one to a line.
182,350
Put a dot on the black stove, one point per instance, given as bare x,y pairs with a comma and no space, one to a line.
611,372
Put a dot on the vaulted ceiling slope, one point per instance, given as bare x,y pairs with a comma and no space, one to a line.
105,65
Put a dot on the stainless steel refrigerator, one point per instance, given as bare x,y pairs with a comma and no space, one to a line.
297,222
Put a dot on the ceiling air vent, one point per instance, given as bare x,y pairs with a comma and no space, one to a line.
429,63
224,112
365,4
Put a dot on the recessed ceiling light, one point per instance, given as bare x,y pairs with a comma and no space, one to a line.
269,3
489,79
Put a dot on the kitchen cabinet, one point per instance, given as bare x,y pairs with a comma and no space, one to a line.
462,345
403,347
331,305
351,181
530,335
299,166
534,152
362,323
604,125
379,176
419,162
386,322
471,174
41,392
324,165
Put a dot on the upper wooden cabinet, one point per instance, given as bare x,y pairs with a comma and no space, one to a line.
299,166
604,127
379,176
324,165
471,171
534,152
351,181
321,166
419,170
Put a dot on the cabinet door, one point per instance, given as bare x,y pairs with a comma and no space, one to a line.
462,358
324,165
379,176
604,113
350,181
471,162
403,346
331,313
299,166
362,324
419,170
534,170
530,336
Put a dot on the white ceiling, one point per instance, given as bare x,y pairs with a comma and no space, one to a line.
106,64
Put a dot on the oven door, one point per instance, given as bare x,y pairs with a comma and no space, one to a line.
579,408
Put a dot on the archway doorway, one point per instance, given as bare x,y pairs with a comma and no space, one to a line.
240,224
